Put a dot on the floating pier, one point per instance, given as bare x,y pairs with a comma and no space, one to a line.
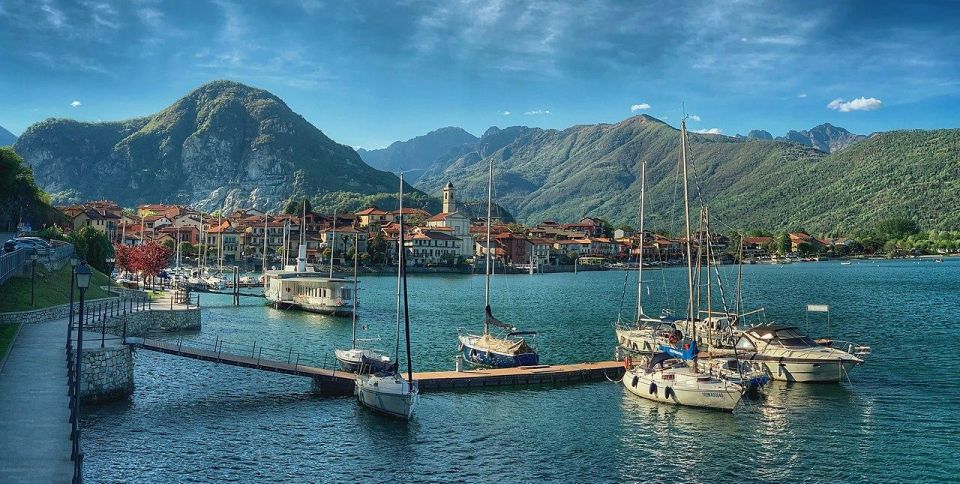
332,381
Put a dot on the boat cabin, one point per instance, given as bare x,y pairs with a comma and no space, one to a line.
786,336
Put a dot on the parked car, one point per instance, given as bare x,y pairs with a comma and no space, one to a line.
14,244
38,245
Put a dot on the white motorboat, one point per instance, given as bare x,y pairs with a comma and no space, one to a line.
788,355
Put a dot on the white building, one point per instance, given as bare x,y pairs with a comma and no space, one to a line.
453,223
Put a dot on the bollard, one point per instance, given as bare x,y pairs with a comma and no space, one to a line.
459,363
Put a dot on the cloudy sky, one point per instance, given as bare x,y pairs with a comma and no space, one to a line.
368,73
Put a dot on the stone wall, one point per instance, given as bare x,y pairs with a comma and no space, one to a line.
142,322
106,373
45,314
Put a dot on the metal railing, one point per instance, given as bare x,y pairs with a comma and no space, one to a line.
12,262
287,355
98,314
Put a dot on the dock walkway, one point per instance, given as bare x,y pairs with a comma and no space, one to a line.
34,407
333,381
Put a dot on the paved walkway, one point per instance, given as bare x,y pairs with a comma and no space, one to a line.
34,412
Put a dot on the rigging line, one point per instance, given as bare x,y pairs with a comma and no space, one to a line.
623,296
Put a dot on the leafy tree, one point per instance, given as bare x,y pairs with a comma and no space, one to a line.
93,246
896,228
295,206
20,198
783,244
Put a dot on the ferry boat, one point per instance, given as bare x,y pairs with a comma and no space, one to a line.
301,288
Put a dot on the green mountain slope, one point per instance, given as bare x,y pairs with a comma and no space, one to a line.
749,183
224,145
20,199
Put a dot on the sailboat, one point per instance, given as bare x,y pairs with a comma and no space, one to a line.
389,392
672,375
356,360
507,351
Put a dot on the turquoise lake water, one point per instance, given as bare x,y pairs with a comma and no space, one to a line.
897,420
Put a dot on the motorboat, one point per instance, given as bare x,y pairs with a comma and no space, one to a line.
789,355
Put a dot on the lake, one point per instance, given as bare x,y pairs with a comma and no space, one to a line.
898,419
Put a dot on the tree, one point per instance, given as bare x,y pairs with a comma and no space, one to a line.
93,246
295,206
783,244
896,228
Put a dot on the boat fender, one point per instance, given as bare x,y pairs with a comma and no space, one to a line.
627,363
636,379
668,393
653,388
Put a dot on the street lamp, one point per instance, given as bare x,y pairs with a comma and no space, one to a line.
83,282
33,272
74,262
110,262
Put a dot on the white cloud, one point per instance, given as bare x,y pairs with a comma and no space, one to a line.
505,113
708,131
538,111
858,104
802,95
75,104
694,117
639,107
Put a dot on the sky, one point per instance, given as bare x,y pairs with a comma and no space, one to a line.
368,73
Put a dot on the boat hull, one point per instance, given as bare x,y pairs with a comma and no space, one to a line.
809,372
354,364
493,359
716,397
387,400
342,311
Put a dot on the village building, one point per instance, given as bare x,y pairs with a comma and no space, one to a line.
432,247
373,217
453,222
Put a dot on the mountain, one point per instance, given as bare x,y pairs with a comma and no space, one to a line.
417,154
6,138
759,134
826,137
20,199
749,183
224,145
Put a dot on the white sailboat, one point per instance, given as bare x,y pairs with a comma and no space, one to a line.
356,359
673,375
389,392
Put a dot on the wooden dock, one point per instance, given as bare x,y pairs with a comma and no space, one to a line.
332,381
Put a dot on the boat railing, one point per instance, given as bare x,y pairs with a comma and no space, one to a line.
858,350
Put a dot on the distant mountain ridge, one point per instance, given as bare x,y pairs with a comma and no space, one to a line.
223,145
6,138
826,137
749,183
417,154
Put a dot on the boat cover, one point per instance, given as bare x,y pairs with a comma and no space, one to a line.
687,353
500,345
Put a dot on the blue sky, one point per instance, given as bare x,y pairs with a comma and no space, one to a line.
368,73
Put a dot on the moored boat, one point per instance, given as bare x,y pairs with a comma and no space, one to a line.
788,355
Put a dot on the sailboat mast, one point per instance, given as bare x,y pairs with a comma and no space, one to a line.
706,216
264,254
356,247
400,261
406,314
686,216
643,186
220,241
486,286
333,239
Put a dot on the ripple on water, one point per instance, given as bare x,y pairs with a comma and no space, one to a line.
190,421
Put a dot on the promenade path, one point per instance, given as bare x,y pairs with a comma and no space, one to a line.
34,411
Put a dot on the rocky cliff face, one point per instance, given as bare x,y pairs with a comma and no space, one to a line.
224,145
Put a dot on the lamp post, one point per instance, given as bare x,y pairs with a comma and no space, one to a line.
110,263
33,272
74,261
83,282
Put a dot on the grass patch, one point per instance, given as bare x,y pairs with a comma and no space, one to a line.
6,337
52,288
